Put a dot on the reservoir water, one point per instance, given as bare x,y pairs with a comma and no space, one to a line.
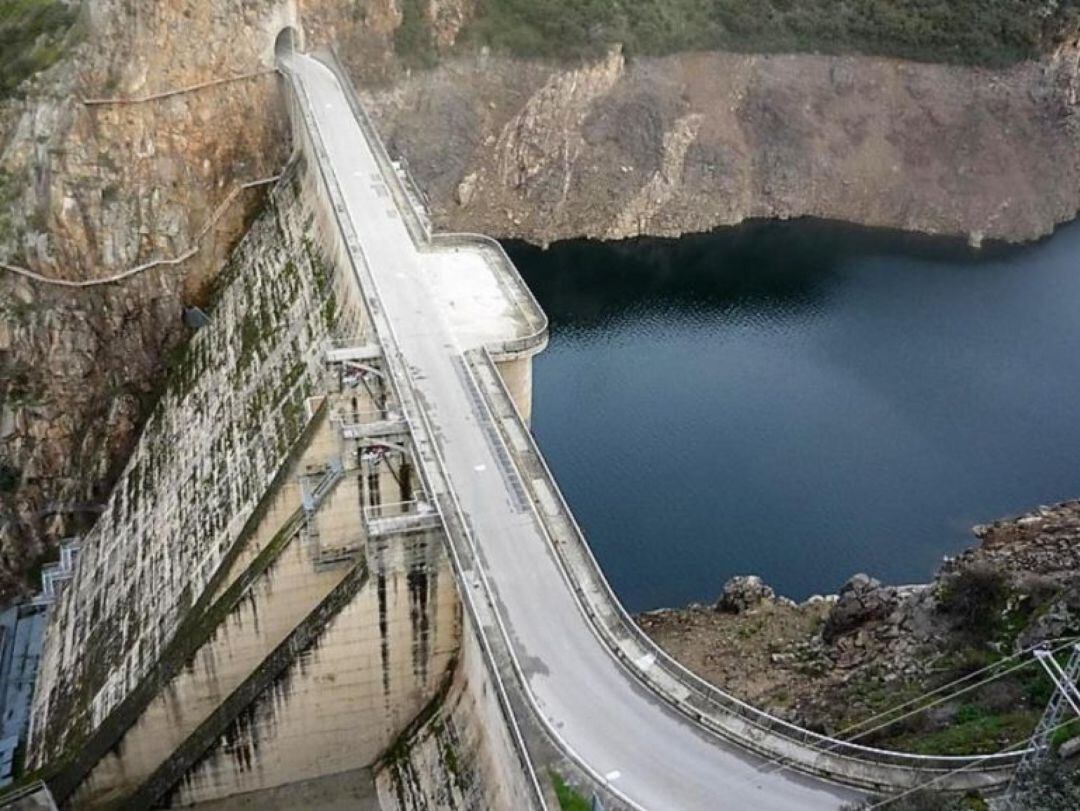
802,400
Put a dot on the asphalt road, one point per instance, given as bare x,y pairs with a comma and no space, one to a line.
653,756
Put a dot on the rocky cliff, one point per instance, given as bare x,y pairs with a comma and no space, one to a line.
92,191
831,663
541,150
664,146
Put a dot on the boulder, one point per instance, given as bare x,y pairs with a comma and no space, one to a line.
1071,596
1069,749
465,189
862,599
744,593
1050,624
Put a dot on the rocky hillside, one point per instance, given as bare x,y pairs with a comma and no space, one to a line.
985,32
832,662
620,143
92,191
666,145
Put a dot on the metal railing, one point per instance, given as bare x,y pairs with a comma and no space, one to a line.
704,701
397,509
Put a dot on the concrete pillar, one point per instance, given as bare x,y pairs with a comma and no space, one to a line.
517,375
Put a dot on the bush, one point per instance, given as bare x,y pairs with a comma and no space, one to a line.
414,40
975,598
569,799
32,34
992,32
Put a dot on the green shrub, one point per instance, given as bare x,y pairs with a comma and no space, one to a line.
975,598
32,35
569,799
414,40
976,732
991,32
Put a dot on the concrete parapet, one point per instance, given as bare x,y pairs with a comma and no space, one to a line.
527,330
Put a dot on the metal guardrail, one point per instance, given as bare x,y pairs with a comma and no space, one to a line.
600,604
398,509
9,797
422,431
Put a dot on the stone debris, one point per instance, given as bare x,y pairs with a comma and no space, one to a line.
743,594
816,663
861,600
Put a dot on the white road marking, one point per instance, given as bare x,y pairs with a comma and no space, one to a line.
480,468
614,775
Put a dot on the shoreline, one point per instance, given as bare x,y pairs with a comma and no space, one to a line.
832,661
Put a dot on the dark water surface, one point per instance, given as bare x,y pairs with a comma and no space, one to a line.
802,400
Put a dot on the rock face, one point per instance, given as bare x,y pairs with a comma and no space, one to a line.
95,191
1044,542
743,594
665,146
861,600
86,192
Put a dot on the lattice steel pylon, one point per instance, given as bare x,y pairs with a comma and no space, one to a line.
1065,700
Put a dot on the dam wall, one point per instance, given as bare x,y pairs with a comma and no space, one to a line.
267,605
343,700
459,754
233,714
235,405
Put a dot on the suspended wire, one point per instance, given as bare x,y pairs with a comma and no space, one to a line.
781,765
965,690
982,759
1066,641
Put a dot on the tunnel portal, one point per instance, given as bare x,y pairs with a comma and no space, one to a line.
287,42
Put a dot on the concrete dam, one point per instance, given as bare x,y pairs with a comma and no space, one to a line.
337,573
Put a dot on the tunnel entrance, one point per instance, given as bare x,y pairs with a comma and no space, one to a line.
287,42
